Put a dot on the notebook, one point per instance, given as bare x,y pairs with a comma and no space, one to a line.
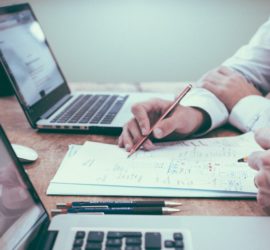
25,224
40,85
205,167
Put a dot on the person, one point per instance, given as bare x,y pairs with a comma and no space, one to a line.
222,94
243,81
260,161
237,92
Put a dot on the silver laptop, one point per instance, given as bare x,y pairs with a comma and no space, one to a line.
25,224
40,85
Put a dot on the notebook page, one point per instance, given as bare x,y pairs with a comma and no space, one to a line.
206,164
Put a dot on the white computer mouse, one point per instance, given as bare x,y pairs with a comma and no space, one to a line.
25,154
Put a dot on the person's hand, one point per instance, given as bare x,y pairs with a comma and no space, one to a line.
228,85
261,161
182,122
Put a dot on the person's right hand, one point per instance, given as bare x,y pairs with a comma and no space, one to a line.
183,122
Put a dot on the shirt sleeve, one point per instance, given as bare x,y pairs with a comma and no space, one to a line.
253,59
205,100
251,113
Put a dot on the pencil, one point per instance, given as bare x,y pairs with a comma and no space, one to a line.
244,159
167,112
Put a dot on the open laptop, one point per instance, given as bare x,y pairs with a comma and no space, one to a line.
40,85
25,224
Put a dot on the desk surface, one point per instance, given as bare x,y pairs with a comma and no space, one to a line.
52,147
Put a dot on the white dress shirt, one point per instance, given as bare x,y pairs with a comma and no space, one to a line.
253,61
251,112
207,101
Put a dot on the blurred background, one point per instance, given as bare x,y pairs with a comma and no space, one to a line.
145,40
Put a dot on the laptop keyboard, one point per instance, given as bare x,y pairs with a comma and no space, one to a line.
130,240
92,109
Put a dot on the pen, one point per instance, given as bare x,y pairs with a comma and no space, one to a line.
167,112
118,204
117,210
244,159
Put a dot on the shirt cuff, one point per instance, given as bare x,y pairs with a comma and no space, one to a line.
251,113
205,100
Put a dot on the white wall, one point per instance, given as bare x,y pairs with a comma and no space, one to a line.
146,40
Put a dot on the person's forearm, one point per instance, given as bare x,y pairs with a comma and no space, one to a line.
204,120
215,113
253,59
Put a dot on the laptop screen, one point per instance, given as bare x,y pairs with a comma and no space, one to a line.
19,212
24,50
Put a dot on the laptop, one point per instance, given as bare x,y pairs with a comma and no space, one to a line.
40,85
25,224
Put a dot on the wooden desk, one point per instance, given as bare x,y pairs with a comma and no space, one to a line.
52,147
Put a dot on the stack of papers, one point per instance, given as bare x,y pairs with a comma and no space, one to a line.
190,168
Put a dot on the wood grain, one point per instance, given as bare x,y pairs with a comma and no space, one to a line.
52,147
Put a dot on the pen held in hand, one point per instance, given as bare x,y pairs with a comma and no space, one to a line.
167,112
244,159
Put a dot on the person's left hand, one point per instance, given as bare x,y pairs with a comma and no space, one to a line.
228,85
260,161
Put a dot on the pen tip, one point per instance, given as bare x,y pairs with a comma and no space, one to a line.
170,210
131,153
244,159
172,203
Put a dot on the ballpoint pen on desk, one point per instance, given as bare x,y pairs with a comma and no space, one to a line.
167,112
117,210
118,204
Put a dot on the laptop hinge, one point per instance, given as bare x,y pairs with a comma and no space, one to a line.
56,106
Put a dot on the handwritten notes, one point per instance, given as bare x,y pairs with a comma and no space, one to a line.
204,164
